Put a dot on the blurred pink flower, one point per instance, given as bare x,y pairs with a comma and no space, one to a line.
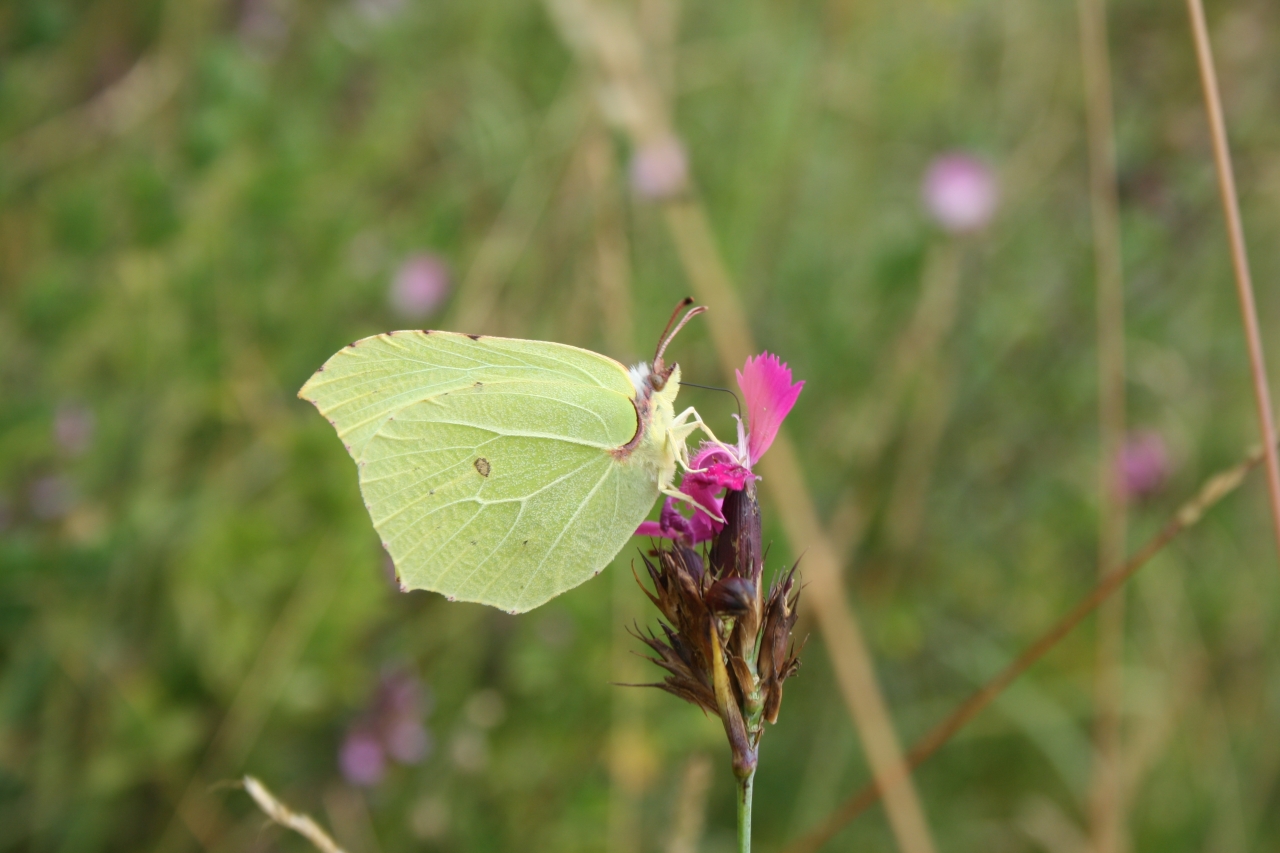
419,287
1143,464
407,740
51,497
391,727
659,169
263,26
769,395
361,758
960,192
73,426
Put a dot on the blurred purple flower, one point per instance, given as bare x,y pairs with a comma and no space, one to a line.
960,192
263,27
407,741
419,286
1143,464
391,727
73,426
659,168
51,497
361,758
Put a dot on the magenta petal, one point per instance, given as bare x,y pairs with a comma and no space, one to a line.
702,527
766,385
651,528
709,454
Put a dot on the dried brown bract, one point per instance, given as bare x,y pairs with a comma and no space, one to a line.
725,646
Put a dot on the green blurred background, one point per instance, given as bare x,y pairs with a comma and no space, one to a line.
201,201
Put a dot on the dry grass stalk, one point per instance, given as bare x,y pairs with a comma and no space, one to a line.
288,818
1107,802
690,806
630,759
1214,490
1239,256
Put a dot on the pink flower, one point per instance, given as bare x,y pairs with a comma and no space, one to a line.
362,759
672,525
391,727
766,386
660,169
420,285
1142,465
73,428
769,395
960,192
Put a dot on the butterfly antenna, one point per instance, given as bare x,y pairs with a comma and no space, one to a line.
689,315
680,306
736,401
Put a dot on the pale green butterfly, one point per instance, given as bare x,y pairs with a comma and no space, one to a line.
499,470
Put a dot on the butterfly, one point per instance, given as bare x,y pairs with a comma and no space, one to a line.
504,471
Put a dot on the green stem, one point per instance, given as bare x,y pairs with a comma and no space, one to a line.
745,787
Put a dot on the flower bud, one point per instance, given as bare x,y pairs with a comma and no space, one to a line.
731,597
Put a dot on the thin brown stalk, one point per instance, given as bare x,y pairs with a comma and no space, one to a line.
1106,790
1214,490
1239,256
288,818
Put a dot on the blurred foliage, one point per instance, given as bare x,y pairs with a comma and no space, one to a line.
190,588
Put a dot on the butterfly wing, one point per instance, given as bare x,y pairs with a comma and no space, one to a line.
487,464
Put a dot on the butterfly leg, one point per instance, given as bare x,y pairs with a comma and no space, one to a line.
683,426
673,492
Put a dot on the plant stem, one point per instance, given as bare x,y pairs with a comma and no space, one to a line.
745,788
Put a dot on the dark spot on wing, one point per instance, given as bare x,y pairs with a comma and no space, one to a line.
477,385
473,541
474,337
432,492
525,542
482,465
